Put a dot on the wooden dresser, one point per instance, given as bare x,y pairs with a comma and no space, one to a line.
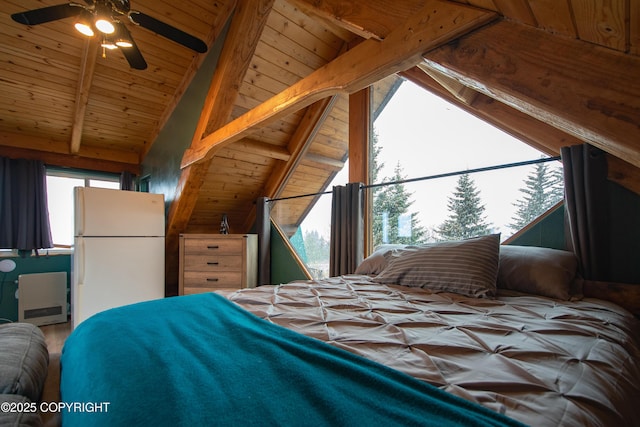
209,262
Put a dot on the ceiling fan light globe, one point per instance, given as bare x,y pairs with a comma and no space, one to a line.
108,45
105,26
84,29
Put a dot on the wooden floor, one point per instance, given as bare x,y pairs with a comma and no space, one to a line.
55,336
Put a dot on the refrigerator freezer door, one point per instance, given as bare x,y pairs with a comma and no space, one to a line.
110,272
107,212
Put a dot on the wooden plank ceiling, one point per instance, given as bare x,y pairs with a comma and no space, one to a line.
276,117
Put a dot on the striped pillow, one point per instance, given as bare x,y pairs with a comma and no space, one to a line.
468,267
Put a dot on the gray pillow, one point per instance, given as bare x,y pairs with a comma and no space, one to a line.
540,271
376,262
468,267
24,360
19,419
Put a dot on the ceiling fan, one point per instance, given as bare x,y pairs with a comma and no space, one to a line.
103,17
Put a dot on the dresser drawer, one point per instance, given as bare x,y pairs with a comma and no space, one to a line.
205,280
212,246
212,263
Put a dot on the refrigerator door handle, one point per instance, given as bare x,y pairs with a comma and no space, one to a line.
80,260
79,211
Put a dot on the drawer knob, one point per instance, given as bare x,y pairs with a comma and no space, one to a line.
213,247
213,263
210,279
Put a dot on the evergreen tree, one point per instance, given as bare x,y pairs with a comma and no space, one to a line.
466,212
557,188
543,189
316,248
377,209
392,222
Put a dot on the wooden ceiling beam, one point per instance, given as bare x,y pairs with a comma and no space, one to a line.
586,91
457,89
85,78
298,146
437,23
11,142
66,161
325,161
249,19
263,149
371,19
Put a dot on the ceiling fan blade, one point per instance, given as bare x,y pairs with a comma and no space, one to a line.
168,31
47,14
132,54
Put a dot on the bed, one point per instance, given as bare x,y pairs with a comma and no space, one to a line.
497,337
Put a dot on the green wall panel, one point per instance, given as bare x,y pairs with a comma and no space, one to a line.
284,267
548,233
624,220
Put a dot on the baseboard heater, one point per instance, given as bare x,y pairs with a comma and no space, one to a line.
42,298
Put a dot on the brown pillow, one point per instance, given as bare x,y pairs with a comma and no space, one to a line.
541,271
468,267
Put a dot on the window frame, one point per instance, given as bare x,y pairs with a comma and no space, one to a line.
86,176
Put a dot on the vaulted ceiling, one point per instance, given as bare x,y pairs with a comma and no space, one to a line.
277,114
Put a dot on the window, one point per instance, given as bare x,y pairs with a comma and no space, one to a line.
418,134
60,185
311,238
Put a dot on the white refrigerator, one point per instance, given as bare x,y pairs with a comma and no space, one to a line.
118,253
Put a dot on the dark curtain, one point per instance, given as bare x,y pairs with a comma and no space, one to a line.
24,215
586,208
127,181
263,229
347,229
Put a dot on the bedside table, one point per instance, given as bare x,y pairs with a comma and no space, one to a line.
209,262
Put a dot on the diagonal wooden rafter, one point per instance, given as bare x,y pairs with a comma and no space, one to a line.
249,19
85,79
437,23
299,144
457,89
547,77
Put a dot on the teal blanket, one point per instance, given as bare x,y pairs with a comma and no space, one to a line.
201,360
